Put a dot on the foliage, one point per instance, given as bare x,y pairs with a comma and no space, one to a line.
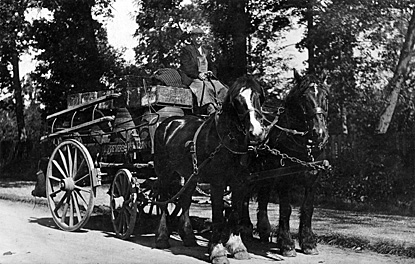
162,27
13,37
74,52
241,40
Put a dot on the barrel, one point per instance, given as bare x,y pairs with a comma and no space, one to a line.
123,123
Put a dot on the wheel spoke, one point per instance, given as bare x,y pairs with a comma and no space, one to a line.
70,164
126,217
65,208
59,168
83,177
76,205
54,178
75,163
117,188
53,194
59,204
64,161
79,168
82,189
119,220
84,204
71,204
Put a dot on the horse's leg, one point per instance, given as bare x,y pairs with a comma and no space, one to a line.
263,225
307,239
163,233
245,220
217,252
284,240
185,226
234,244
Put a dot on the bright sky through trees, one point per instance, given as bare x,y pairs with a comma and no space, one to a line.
121,28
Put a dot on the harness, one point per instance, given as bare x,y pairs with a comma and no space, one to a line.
192,145
291,133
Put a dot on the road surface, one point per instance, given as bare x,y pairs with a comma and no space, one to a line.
29,235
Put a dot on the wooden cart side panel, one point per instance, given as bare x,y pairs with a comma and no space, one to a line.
84,105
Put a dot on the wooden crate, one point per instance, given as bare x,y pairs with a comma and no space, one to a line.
168,95
130,97
88,97
73,100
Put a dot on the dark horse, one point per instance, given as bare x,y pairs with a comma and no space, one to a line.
297,137
189,149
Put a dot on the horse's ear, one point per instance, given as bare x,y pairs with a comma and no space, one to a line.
297,76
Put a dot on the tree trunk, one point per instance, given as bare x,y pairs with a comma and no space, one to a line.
395,84
310,45
239,23
17,88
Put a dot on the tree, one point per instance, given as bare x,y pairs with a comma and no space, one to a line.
75,55
400,74
13,41
162,27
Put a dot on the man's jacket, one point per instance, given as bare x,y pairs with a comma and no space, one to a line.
189,69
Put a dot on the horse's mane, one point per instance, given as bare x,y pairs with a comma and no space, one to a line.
240,83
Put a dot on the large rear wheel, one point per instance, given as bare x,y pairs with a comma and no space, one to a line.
123,203
69,185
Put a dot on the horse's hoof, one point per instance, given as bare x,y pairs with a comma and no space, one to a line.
220,260
162,244
241,255
310,251
289,253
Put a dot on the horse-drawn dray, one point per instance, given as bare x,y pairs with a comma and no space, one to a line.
107,135
147,142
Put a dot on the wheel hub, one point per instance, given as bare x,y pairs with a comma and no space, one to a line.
67,184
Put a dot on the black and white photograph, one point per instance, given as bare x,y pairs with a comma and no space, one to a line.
207,131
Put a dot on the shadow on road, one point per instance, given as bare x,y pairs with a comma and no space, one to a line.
144,235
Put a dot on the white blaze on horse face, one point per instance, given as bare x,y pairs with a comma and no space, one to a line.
256,127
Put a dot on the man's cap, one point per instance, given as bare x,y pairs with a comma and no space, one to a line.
197,30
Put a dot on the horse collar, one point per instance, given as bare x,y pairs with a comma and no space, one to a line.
221,139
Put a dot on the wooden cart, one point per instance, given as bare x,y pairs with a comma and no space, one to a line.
107,136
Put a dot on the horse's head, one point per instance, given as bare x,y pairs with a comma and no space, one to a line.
246,96
308,104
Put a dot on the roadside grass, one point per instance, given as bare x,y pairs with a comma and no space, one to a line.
358,243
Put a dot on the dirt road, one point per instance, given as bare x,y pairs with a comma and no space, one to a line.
28,235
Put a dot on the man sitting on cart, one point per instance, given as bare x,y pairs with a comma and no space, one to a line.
198,72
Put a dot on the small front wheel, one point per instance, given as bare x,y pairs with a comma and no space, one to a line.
123,204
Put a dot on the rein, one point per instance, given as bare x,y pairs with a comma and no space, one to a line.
274,122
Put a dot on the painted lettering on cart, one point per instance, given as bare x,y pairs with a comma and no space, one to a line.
116,148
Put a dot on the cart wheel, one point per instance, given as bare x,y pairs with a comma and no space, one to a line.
123,204
69,185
